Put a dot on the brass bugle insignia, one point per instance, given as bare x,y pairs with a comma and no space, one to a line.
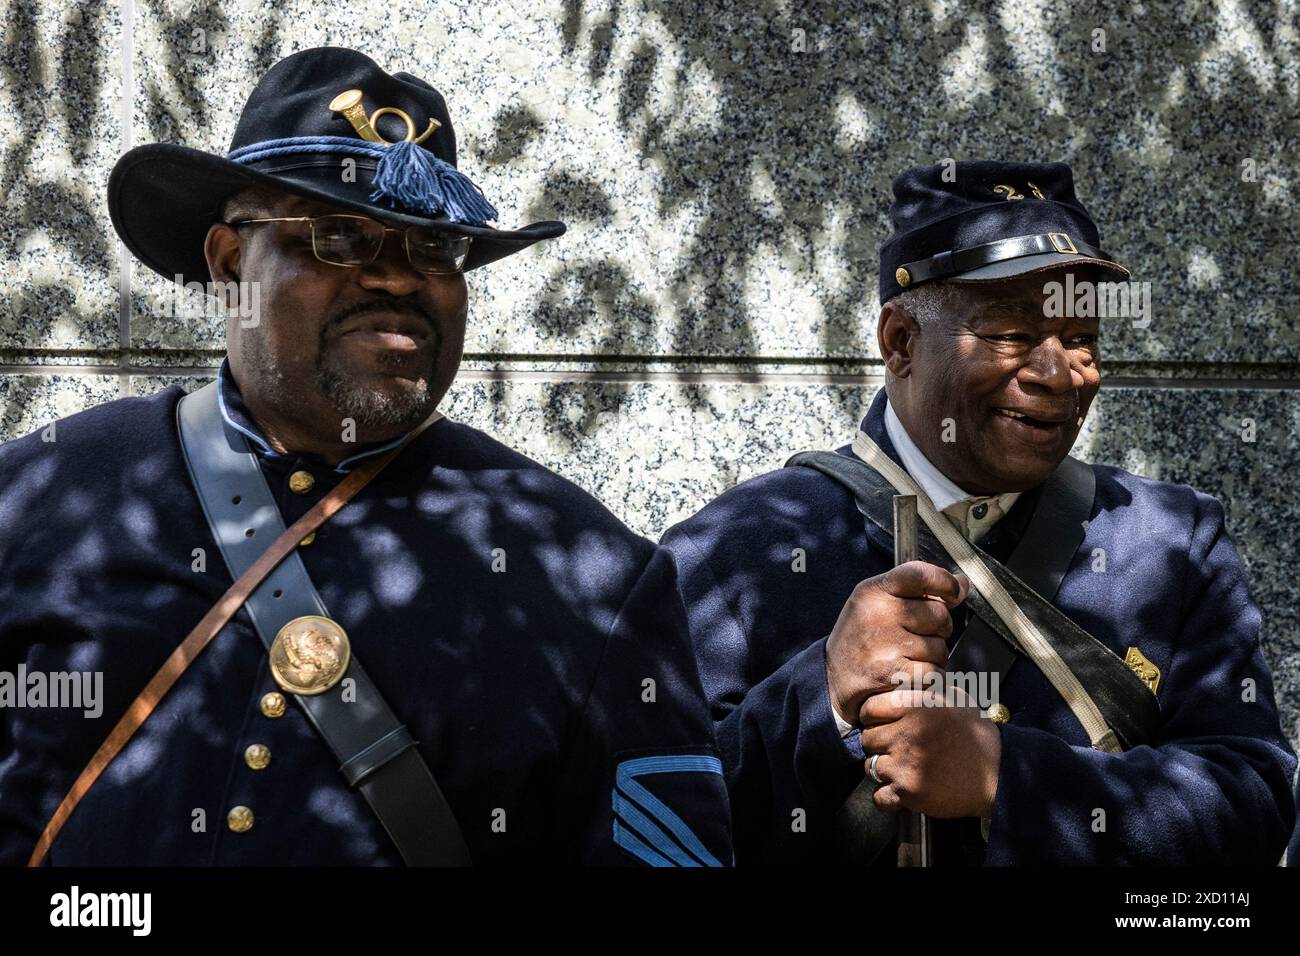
349,104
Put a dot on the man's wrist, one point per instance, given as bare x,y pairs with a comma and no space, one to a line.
843,726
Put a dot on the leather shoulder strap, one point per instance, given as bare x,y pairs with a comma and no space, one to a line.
1125,702
376,752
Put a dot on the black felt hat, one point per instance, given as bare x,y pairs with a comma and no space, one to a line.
984,221
327,124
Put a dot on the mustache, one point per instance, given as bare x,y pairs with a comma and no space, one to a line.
382,305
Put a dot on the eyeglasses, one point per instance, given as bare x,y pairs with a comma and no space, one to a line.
343,240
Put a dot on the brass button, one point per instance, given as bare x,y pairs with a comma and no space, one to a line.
301,482
240,819
999,713
307,540
902,277
273,704
257,756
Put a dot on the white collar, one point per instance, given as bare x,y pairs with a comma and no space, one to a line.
942,491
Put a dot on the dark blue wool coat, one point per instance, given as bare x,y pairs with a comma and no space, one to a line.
1214,788
555,702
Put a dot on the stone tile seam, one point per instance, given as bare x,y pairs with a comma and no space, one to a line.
1136,370
667,377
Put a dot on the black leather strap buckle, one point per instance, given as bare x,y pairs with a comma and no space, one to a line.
1062,242
956,261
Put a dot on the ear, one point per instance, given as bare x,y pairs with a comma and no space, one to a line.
223,248
896,337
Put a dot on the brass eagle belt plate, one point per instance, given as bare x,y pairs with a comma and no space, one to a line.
310,655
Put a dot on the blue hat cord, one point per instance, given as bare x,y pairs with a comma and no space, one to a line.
406,174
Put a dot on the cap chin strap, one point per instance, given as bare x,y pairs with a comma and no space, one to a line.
957,261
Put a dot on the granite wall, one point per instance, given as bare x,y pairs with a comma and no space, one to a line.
724,170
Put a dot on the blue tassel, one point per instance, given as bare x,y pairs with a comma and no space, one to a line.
420,181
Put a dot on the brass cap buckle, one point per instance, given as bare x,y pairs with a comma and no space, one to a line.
1062,243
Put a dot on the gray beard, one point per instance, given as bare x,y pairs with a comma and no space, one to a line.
367,407
374,407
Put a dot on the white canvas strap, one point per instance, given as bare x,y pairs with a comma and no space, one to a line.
1039,649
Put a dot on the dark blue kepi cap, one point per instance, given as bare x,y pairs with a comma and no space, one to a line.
983,221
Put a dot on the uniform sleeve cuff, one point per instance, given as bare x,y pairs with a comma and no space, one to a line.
819,724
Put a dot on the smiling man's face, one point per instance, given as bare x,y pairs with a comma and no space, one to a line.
1015,383
377,344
